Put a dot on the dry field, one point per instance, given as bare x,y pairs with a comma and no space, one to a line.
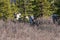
24,31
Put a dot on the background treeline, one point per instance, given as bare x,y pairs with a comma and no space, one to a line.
28,7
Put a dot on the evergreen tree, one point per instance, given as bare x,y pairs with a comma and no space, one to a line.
27,7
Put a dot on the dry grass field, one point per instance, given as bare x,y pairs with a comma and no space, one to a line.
21,31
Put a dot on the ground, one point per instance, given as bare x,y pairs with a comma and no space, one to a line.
24,31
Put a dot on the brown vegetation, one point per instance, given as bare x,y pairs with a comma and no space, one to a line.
24,31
